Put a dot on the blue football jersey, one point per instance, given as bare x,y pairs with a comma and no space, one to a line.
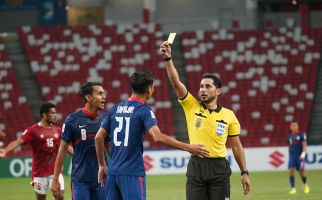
295,143
126,124
80,129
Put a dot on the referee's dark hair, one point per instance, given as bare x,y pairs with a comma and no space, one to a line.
87,89
141,80
44,108
216,80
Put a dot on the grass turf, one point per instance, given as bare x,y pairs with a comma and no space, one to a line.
264,186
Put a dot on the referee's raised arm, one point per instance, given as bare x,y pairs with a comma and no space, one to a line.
208,124
179,88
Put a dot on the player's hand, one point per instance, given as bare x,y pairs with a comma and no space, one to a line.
198,150
102,172
55,187
302,157
3,153
165,49
246,184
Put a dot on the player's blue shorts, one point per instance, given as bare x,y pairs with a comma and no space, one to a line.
88,191
126,188
296,162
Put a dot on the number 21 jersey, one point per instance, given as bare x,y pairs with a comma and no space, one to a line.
126,124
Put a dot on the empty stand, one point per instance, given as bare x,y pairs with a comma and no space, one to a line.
63,58
268,76
15,114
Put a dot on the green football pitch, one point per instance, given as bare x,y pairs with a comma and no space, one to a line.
265,186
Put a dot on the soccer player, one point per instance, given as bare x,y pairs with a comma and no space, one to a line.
210,124
44,138
297,148
79,130
126,124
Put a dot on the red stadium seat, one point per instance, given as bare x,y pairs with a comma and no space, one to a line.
269,70
108,54
15,114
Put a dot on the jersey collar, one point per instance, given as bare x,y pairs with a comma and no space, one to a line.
217,110
40,125
89,113
136,99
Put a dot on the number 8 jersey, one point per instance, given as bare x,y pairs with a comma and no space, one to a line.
80,129
126,124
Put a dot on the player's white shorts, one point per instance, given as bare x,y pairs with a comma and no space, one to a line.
42,184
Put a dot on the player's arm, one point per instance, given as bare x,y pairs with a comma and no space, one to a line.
100,146
2,134
239,155
12,146
63,148
194,149
288,145
70,150
304,150
179,88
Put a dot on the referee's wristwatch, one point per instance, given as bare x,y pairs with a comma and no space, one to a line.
244,172
167,58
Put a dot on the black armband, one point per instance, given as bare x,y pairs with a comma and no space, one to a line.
244,172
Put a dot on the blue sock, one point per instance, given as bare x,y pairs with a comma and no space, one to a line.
304,179
292,181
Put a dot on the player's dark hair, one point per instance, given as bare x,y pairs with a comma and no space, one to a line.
216,80
87,89
44,108
140,81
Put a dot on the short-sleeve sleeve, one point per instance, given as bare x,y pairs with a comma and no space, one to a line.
107,118
106,122
105,125
188,102
234,127
304,136
148,118
27,135
67,129
288,139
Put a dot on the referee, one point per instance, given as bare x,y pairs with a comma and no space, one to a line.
209,124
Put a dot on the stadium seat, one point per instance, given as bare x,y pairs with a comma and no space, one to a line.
266,76
63,58
15,114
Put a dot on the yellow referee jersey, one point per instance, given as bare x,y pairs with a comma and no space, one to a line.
210,128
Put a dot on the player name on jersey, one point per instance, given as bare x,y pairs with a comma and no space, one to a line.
125,109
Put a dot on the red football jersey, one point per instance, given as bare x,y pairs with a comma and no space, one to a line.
45,143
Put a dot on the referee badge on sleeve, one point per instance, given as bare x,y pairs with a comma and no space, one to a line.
220,127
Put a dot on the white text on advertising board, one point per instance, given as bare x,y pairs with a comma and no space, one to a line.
20,167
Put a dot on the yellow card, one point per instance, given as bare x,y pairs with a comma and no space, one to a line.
171,38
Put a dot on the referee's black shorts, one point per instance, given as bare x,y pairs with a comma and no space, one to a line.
208,179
